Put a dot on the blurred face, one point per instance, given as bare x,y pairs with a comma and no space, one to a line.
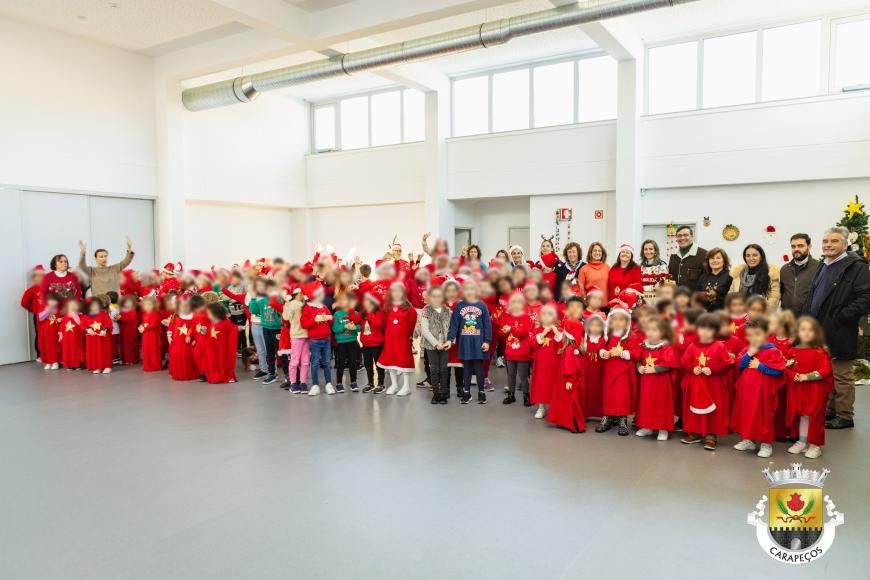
436,297
545,295
653,332
517,305
685,239
756,309
773,325
681,301
147,306
800,249
531,293
574,310
752,257
594,301
102,258
806,333
36,278
184,307
725,330
548,318
546,247
833,244
595,327
573,255
595,253
737,308
618,324
756,336
94,307
397,294
519,277
716,262
52,305
451,293
504,286
471,291
705,334
649,252
665,292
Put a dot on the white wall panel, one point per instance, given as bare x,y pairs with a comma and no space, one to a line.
53,223
112,219
584,227
14,343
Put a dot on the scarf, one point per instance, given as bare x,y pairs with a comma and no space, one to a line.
755,280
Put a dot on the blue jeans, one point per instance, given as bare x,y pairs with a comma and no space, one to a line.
321,355
260,345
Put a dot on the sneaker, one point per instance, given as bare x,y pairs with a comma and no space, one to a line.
259,375
506,389
663,435
46,368
487,385
286,385
393,389
303,388
378,390
481,398
202,378
269,380
354,388
330,390
541,412
643,432
813,452
107,371
745,445
499,362
339,388
404,391
622,430
839,423
604,425
435,400
510,399
294,389
798,447
690,438
443,400
465,398
678,424
96,372
424,384
710,442
315,390
55,366
368,388
527,401
766,450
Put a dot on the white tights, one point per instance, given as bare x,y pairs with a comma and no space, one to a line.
803,428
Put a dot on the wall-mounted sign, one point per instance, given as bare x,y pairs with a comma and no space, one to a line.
599,214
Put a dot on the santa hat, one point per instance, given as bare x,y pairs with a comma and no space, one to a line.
38,269
372,298
306,269
592,290
311,289
169,268
700,401
619,307
572,329
631,295
494,264
625,246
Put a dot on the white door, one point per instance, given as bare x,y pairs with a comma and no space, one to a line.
461,239
519,236
114,218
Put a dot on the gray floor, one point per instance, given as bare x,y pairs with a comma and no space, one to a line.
133,476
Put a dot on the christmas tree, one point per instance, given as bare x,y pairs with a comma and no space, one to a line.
856,221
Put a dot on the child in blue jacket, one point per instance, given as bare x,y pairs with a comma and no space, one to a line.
471,328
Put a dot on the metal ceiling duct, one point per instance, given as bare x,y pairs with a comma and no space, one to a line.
246,88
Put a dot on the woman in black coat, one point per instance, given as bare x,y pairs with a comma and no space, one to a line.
569,267
715,280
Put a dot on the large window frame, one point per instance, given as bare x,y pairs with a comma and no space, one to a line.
530,66
335,103
827,56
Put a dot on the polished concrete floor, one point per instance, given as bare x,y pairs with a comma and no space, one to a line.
133,476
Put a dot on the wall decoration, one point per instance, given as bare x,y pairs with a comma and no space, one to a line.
706,221
671,230
770,231
599,214
855,220
730,232
564,215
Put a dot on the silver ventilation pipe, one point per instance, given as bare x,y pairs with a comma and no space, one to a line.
246,88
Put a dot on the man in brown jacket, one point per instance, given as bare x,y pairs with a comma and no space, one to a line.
687,264
796,277
104,277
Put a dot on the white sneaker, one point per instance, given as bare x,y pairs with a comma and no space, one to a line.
745,445
541,412
766,450
55,366
499,362
404,391
643,432
663,435
46,368
314,391
392,389
330,390
813,452
798,447
96,372
107,371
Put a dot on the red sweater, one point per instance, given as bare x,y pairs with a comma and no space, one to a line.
372,333
30,300
316,330
619,279
517,339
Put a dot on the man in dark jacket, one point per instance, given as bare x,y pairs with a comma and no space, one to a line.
796,277
839,297
686,265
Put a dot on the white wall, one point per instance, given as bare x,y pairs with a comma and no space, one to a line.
252,153
224,234
490,219
584,227
75,114
14,345
807,207
574,158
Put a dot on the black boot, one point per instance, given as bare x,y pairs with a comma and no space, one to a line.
527,401
509,399
604,425
435,399
622,430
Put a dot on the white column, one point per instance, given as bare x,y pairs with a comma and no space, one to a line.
437,208
629,101
171,206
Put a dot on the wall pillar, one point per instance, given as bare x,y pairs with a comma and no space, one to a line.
171,206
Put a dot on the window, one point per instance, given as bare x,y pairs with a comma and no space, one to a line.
791,61
510,100
386,118
729,70
413,115
397,116
852,62
554,94
673,78
355,123
471,106
597,89
324,128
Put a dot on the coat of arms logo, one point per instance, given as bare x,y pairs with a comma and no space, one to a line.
795,530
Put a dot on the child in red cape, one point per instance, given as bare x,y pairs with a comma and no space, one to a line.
566,403
593,367
48,336
810,379
182,337
127,322
762,367
97,326
222,342
151,330
781,335
657,369
619,377
201,325
546,345
72,342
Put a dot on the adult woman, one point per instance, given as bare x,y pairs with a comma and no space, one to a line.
715,280
568,269
517,257
756,276
503,255
595,271
61,281
653,270
624,273
473,257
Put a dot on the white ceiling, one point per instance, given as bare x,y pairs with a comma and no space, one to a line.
317,5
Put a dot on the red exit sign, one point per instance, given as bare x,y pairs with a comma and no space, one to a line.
599,214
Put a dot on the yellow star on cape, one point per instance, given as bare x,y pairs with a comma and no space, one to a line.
733,328
616,350
96,326
183,330
702,360
855,208
650,361
546,341
215,333
69,326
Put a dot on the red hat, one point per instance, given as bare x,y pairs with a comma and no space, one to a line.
38,269
169,268
592,289
573,329
495,263
311,289
372,297
307,269
625,246
629,298
550,259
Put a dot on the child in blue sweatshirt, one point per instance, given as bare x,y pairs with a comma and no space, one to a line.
471,329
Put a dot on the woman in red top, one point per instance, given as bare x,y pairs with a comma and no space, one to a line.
623,273
400,319
515,326
151,330
127,323
60,281
222,341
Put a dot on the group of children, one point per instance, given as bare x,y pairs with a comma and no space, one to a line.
623,363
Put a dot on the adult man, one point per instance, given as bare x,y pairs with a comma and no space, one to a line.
796,277
104,277
839,297
686,265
